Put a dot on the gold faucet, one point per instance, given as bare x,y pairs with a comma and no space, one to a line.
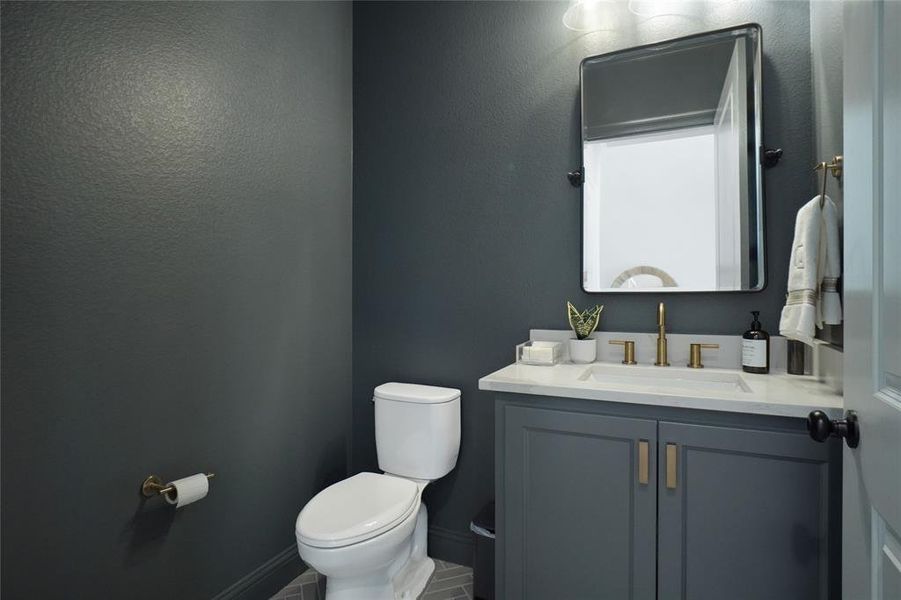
661,337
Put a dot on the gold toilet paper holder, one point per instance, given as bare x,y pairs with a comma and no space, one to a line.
153,486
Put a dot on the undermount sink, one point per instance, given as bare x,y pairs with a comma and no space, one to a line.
664,379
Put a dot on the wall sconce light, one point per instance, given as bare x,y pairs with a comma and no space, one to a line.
609,15
659,8
592,15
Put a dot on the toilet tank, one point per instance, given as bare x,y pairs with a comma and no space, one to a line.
417,429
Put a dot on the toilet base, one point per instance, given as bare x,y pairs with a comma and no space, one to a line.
410,582
404,579
411,579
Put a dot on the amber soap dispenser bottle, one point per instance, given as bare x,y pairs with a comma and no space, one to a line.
755,348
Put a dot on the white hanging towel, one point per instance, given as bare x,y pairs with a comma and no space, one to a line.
813,273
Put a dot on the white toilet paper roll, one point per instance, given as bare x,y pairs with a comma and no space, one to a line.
188,490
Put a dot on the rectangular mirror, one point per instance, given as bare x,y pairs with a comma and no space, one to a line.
672,194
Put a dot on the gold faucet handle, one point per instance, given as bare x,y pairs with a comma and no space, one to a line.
628,350
694,359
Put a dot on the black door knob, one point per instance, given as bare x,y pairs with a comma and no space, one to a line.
821,427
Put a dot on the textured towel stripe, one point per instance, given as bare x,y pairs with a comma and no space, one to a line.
830,284
801,297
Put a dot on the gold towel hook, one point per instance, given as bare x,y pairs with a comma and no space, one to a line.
834,167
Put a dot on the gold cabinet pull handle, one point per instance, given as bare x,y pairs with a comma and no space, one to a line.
643,462
671,466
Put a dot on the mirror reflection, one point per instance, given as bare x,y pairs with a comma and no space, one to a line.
672,196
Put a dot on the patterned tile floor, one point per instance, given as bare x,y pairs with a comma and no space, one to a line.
448,582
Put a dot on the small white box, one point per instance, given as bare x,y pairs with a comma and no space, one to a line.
539,353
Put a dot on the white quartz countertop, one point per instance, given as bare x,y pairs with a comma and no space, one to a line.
727,390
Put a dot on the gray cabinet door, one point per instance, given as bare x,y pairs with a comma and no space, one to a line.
577,522
743,514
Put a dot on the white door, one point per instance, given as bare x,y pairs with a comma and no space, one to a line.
871,528
731,155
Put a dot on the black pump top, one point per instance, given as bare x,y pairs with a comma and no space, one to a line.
755,324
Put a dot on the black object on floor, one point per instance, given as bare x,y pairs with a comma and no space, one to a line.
483,556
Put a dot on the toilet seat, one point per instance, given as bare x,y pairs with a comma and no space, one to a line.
356,509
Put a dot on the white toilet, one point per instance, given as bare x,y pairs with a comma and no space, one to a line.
367,533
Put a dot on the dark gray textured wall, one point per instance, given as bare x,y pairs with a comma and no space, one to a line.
466,232
176,265
826,55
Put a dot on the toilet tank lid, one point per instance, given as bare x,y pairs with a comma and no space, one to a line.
413,392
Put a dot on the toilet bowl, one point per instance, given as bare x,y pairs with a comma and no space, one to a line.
367,533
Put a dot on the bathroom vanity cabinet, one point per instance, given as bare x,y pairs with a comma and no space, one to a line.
607,500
